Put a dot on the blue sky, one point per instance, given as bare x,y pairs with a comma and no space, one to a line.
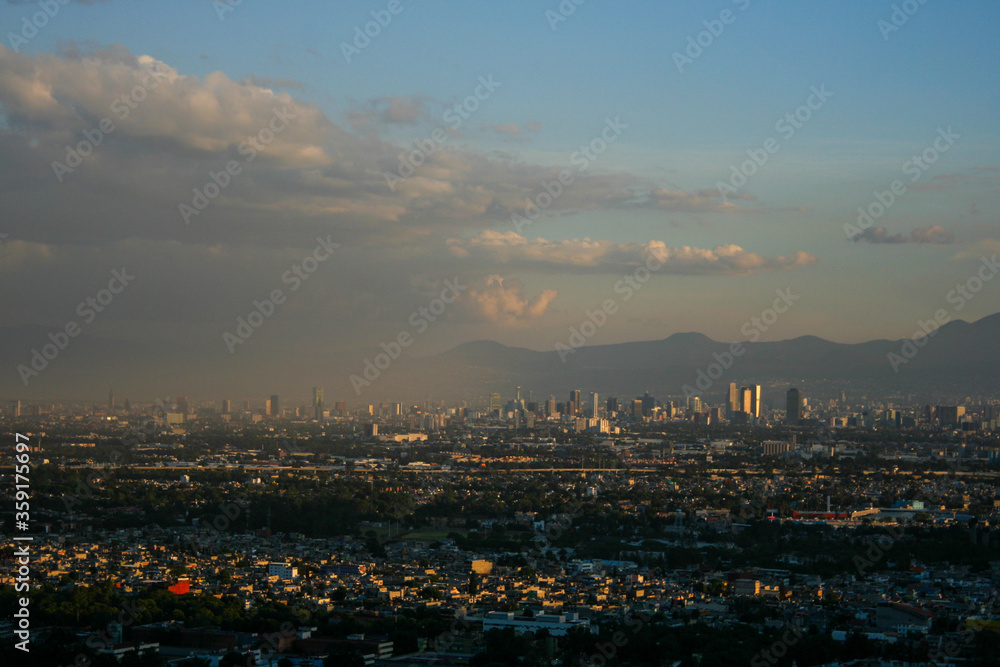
654,187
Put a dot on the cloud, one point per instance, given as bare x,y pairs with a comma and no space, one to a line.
513,251
273,82
504,302
507,128
314,176
934,234
389,110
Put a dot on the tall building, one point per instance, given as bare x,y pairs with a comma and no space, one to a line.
495,402
227,406
317,403
596,406
637,408
648,403
750,400
182,405
793,407
111,400
273,407
574,398
16,408
550,406
732,400
694,404
745,402
612,405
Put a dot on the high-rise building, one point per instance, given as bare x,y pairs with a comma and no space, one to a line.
182,405
16,408
596,406
950,415
755,400
746,401
111,400
612,405
574,398
495,402
694,404
550,406
637,408
732,400
793,407
227,406
648,403
274,407
340,407
318,403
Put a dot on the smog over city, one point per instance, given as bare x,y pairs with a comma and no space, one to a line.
544,333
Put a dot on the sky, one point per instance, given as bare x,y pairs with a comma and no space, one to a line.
470,171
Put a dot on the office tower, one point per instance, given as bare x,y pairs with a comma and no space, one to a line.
227,406
733,400
317,403
574,398
950,415
612,405
274,409
550,406
793,407
16,405
495,402
517,396
694,404
755,400
648,403
746,400
637,408
111,400
182,405
340,407
596,407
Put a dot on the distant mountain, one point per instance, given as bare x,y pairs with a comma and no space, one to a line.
960,357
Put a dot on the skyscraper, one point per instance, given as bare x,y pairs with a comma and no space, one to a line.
574,397
227,406
495,402
273,407
746,400
755,400
318,403
793,407
596,408
732,400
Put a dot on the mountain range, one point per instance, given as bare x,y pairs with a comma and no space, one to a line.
960,357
